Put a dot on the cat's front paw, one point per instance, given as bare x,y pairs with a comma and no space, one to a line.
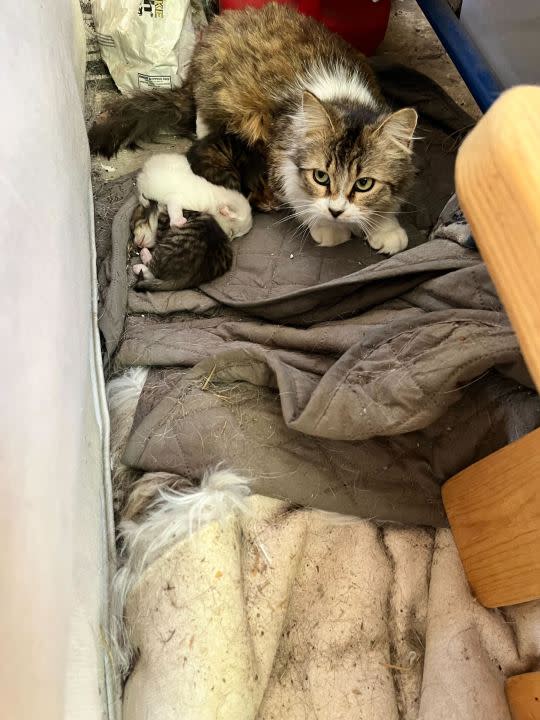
330,235
389,238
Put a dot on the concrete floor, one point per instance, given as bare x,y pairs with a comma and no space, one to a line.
410,40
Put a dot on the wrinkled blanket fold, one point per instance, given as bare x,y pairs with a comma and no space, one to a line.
332,377
367,411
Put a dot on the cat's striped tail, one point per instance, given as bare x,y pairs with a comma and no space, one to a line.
141,116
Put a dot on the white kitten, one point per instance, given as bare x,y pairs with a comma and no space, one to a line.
168,179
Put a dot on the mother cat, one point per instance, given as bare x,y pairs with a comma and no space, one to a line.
337,155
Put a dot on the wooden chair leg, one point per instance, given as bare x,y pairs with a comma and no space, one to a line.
494,511
494,506
523,695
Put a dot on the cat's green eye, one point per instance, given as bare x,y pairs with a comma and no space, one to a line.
321,177
364,184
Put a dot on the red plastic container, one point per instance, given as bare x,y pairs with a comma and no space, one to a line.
362,23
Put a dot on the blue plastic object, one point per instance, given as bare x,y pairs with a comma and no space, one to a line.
478,76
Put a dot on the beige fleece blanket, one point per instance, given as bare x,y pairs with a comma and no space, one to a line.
269,613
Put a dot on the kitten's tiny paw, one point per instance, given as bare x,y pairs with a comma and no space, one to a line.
138,269
330,235
145,255
142,272
178,221
389,240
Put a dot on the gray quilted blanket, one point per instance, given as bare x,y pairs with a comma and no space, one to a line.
331,376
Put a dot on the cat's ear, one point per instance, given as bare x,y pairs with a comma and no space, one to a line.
314,114
398,129
226,211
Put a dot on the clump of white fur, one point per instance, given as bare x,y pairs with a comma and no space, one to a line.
338,82
172,517
168,179
123,394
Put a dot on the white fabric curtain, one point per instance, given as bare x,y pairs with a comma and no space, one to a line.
54,525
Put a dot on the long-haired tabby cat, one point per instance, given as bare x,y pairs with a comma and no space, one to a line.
337,154
181,257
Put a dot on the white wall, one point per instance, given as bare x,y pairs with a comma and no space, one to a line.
508,34
53,502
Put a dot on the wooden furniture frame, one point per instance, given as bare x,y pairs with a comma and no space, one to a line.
494,505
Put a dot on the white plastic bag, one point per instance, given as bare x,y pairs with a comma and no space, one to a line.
145,43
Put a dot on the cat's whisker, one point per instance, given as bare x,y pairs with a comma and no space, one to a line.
375,221
368,224
392,212
300,230
292,216
299,210
304,229
405,201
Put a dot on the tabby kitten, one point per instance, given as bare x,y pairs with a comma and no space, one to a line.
148,225
337,154
182,257
225,159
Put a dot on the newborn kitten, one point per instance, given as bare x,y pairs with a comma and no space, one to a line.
185,256
148,225
225,159
168,179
